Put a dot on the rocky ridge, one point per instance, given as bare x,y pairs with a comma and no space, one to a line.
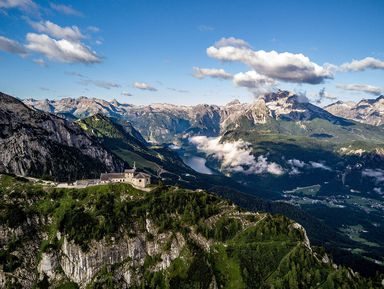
37,143
370,111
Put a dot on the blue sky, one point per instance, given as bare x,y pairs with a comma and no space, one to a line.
145,51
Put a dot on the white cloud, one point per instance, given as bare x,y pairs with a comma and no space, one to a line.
361,87
12,46
61,50
211,72
54,30
25,5
317,165
232,41
285,66
378,190
236,156
65,9
363,64
377,174
144,86
296,163
256,83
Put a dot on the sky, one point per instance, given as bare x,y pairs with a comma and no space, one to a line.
191,51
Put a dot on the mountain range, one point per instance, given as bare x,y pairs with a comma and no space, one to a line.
369,111
160,123
302,160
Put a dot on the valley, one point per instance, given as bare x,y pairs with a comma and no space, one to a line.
278,149
191,144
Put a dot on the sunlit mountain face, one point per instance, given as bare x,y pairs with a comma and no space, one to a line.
165,144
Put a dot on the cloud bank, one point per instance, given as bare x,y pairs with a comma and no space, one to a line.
236,156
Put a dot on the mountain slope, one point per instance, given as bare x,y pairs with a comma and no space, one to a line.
370,111
39,144
127,143
114,236
284,113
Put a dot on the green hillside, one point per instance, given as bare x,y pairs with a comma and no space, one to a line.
167,238
129,145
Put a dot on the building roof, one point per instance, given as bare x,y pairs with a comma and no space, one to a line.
141,176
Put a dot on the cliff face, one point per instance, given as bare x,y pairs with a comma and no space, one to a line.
37,143
127,254
115,236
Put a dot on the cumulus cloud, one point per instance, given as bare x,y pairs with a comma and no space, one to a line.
12,46
285,66
362,88
256,83
65,9
25,5
63,50
363,64
211,72
377,174
236,156
54,30
144,86
232,41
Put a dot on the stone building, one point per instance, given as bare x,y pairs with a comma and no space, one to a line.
130,176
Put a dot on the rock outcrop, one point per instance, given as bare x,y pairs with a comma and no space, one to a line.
35,143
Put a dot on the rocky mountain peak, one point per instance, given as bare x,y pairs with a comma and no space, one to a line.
370,111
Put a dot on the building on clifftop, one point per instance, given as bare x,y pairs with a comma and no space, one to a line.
130,176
